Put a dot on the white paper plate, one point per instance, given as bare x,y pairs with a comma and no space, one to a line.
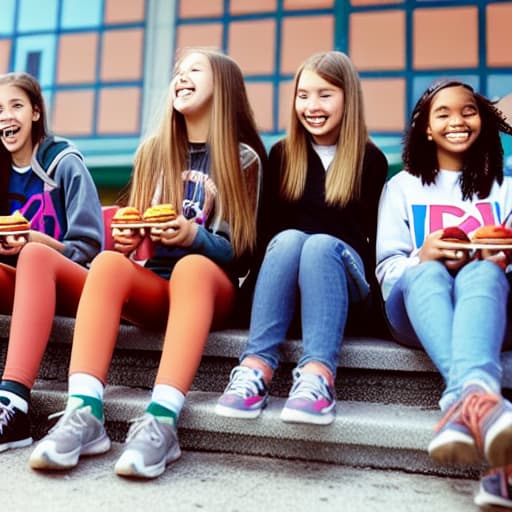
15,232
473,246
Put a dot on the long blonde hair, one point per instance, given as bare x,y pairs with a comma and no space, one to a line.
163,156
343,181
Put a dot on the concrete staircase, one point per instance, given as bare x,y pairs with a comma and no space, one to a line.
386,410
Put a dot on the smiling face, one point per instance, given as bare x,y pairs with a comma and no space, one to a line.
16,118
454,124
319,106
192,86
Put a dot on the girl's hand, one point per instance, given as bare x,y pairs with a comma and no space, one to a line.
500,258
10,245
178,232
127,240
434,248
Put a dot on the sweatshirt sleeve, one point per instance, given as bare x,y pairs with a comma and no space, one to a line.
395,248
214,246
84,235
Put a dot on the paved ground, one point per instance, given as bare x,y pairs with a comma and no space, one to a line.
228,483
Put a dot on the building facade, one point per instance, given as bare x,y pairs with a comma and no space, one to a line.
105,65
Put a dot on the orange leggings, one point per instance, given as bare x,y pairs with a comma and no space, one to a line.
47,283
198,295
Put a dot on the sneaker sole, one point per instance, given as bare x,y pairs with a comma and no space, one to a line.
22,443
453,449
490,501
44,455
295,416
131,464
230,412
498,442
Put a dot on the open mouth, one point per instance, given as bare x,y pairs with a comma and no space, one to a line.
458,136
316,120
9,132
180,93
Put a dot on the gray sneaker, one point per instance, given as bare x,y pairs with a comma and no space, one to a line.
150,446
77,433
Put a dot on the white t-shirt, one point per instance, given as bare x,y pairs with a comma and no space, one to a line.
326,154
409,210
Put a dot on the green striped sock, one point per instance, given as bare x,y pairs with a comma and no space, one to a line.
96,405
162,413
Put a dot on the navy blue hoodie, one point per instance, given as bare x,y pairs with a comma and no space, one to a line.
59,197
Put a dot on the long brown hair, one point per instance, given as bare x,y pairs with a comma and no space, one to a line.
162,157
343,181
30,86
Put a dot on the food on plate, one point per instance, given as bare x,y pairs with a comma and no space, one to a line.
455,235
126,215
14,223
492,234
159,213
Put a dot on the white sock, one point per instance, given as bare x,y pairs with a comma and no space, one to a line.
168,397
85,384
15,400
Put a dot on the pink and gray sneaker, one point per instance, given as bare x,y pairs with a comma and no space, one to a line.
245,395
311,400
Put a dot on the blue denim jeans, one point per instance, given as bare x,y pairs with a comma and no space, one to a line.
326,274
459,320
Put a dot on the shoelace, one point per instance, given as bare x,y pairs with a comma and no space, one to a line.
311,387
469,412
71,421
243,383
6,413
145,427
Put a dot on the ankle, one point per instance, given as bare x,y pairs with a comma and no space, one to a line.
162,414
79,401
258,364
317,368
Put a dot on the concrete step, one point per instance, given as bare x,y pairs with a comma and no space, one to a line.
370,369
391,436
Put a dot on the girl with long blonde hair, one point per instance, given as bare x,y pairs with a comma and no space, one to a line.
205,159
319,216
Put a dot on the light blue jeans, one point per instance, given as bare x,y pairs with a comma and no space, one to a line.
327,274
459,320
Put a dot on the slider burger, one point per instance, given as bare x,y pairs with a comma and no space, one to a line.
15,223
455,235
127,215
159,214
496,235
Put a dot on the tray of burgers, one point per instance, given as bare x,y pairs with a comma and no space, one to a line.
491,237
15,224
130,217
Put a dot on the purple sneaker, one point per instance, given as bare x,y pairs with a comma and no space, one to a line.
495,489
311,400
245,395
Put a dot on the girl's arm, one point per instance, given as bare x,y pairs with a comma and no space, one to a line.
84,236
395,248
